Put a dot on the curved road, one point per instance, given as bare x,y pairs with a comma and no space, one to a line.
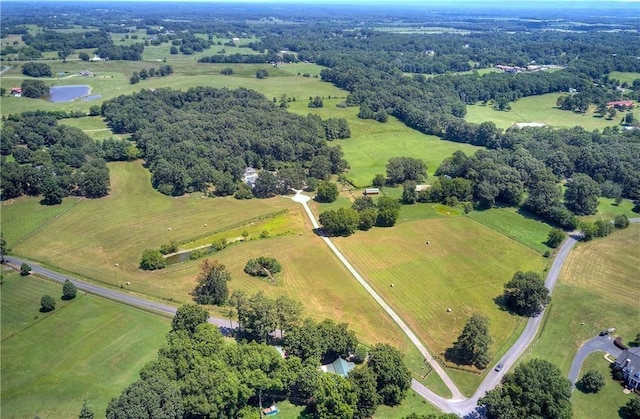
597,344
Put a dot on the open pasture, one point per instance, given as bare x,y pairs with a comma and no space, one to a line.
541,109
463,268
372,143
624,77
88,348
599,288
523,228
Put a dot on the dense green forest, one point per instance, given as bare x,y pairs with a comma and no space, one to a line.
207,137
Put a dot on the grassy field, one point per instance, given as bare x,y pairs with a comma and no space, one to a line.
622,77
88,348
112,79
92,230
599,287
607,209
607,401
372,143
542,109
464,268
508,221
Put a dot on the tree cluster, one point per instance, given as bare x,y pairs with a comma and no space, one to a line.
36,69
363,215
34,89
197,374
50,159
144,74
534,389
205,138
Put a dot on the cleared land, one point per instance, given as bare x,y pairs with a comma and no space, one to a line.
88,348
464,268
522,228
94,235
607,401
372,143
599,288
622,76
542,109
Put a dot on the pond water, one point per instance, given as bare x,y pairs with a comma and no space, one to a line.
91,97
186,255
68,93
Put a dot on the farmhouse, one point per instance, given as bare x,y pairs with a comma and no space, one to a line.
16,91
621,104
339,366
250,176
86,73
372,191
629,364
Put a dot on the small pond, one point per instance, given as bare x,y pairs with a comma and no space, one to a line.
68,93
188,255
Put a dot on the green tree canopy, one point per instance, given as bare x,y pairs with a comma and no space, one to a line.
47,303
535,389
25,269
327,191
388,211
188,317
152,398
262,266
526,294
341,222
581,195
392,376
473,344
69,290
86,412
364,383
334,397
591,382
152,259
556,236
212,283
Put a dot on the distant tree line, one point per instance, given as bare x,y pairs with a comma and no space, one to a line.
205,138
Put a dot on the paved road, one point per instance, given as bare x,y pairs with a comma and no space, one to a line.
597,344
111,294
458,404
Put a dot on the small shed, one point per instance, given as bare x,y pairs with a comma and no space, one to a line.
271,410
372,191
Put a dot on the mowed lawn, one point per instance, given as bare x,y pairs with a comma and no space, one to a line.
541,108
524,229
606,402
86,349
463,268
599,288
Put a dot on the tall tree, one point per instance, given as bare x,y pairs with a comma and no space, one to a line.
154,398
581,195
392,376
364,383
334,397
212,283
327,191
188,317
472,346
526,294
535,389
86,412
289,313
69,290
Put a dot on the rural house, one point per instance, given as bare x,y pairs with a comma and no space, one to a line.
339,366
621,104
629,364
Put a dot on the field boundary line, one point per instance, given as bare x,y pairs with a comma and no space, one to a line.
48,222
